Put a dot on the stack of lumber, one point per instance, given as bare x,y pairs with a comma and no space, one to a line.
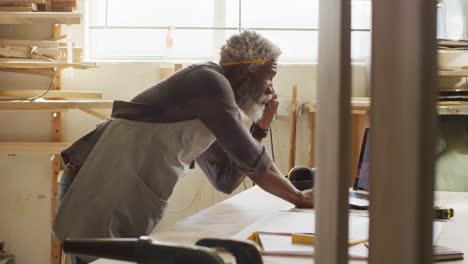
452,64
20,5
37,49
62,5
38,5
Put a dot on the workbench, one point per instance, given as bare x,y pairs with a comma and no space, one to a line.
237,213
360,119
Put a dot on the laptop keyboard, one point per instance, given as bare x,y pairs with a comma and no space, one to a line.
358,195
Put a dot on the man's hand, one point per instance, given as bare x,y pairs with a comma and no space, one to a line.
308,199
275,183
269,113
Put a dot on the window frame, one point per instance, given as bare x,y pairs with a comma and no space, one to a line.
164,58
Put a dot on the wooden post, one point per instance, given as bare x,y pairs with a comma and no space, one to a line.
403,128
165,71
333,147
56,136
292,128
311,117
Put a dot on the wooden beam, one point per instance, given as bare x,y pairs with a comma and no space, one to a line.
13,3
403,131
36,63
53,94
29,43
77,53
10,52
95,113
39,18
333,147
60,37
42,72
25,52
453,73
359,105
56,136
311,159
178,66
362,106
54,105
32,147
165,72
23,1
292,128
17,8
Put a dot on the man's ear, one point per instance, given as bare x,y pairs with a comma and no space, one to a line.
241,72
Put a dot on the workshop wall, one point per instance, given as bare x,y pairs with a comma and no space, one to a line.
25,180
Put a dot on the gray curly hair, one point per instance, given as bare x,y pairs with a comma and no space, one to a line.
248,45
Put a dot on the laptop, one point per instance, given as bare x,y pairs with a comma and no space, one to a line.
359,194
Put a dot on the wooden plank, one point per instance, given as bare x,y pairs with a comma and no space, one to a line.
29,43
77,53
8,106
50,110
59,37
453,73
56,136
39,18
43,72
178,66
62,9
32,147
50,53
292,128
63,44
23,1
63,4
359,105
26,52
165,72
32,6
8,51
311,125
42,64
16,9
54,94
362,106
403,134
333,151
95,113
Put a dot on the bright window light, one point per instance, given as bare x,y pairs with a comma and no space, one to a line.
195,30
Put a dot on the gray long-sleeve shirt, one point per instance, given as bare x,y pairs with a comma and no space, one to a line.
199,91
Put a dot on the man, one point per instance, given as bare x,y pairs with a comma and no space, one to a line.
124,171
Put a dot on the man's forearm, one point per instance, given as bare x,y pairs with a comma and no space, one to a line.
273,182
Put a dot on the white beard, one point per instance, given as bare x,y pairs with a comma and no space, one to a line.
251,100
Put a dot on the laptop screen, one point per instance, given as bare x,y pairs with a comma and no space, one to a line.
362,174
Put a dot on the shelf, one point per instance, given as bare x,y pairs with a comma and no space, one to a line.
361,105
453,108
42,64
39,18
453,73
32,147
54,94
53,105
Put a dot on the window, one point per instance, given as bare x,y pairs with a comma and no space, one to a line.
195,30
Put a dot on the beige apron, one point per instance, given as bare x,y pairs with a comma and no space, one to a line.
123,186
